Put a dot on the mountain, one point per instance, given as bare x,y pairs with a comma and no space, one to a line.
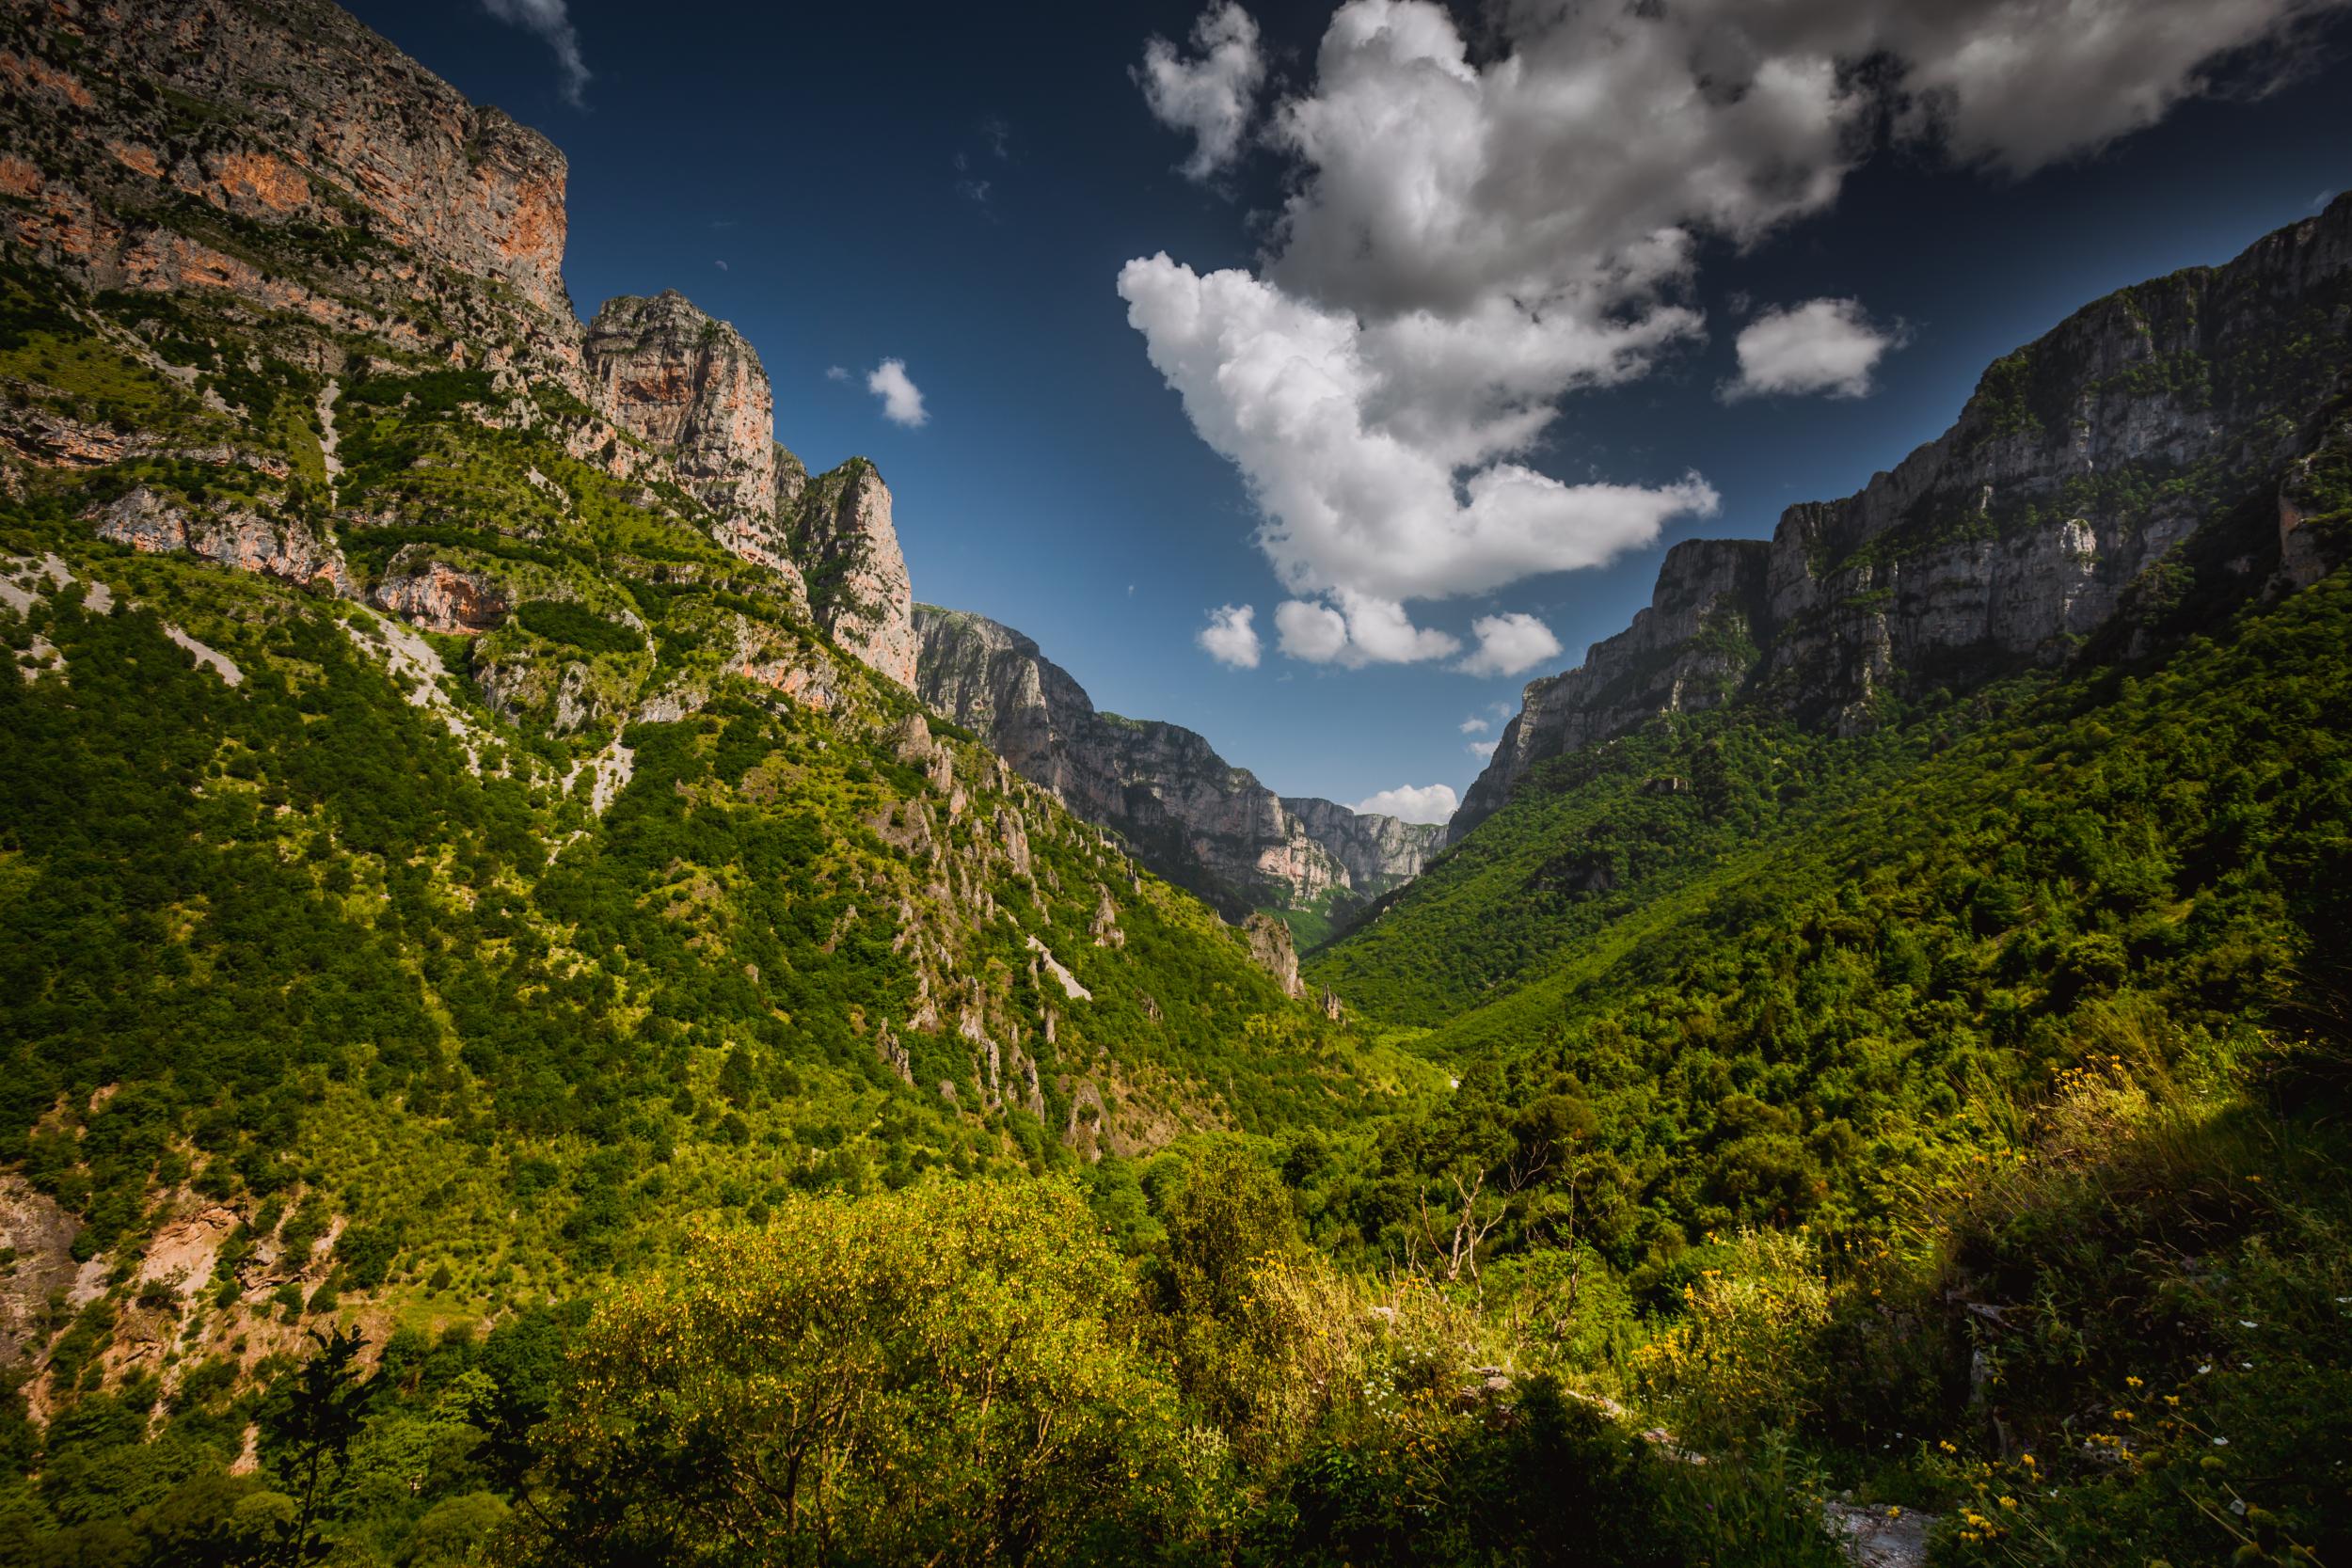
1184,811
2156,462
2065,495
536,1030
463,808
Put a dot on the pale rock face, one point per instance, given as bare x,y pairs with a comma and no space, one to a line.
690,387
1270,943
846,547
2029,528
150,522
439,598
1185,812
441,181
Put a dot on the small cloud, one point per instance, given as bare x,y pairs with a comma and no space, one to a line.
1230,638
1357,630
550,21
723,223
1477,723
837,372
1313,632
2322,199
998,135
721,265
975,191
1823,346
1214,96
1484,750
902,400
1508,645
1411,803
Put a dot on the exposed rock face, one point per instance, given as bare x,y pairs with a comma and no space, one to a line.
2200,400
403,170
1378,852
1690,650
150,521
842,536
1187,814
438,596
690,387
1270,943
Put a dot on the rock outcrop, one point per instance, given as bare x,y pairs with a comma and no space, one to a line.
1692,649
155,523
690,387
1270,943
1184,811
842,537
438,596
2155,442
402,179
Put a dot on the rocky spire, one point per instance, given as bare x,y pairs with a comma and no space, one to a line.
841,534
690,387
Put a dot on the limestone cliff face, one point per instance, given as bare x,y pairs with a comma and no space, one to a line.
1690,650
2159,433
690,387
1378,852
1185,812
279,153
841,535
289,116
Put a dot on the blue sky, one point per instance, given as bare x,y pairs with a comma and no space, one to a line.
960,188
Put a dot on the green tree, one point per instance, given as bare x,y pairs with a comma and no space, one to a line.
947,1373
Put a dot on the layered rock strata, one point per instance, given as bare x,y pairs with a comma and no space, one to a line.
2162,433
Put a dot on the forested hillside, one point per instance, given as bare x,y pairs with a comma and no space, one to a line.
526,1042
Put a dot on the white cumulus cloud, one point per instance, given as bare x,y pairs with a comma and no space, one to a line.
1313,632
1483,749
1470,237
1210,96
550,21
1508,645
902,400
1230,638
1477,723
1411,803
1823,346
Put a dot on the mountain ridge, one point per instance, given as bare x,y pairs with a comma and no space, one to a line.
2078,463
1192,816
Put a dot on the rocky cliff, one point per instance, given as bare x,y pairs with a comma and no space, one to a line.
2155,445
690,387
1187,812
841,534
279,149
277,160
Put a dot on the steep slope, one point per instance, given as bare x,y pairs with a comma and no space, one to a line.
442,851
1184,811
2150,475
690,387
2084,461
